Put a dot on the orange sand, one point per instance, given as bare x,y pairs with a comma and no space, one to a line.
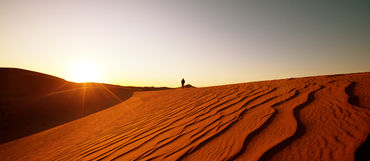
31,102
313,118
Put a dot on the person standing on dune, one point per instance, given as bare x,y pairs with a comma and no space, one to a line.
183,82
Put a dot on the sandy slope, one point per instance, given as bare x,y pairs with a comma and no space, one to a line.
313,118
31,102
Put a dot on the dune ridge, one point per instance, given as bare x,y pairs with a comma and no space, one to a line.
31,102
311,118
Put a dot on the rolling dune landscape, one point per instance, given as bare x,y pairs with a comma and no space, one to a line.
31,102
189,80
310,118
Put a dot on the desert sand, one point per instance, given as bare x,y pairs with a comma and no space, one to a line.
311,118
31,102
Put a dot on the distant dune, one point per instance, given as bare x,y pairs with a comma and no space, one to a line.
189,86
312,118
31,102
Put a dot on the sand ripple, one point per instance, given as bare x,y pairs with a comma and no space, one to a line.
313,118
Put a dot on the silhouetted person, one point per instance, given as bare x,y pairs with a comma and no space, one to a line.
183,82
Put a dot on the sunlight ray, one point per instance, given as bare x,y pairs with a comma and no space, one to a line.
111,93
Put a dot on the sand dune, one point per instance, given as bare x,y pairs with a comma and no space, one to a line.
31,102
312,118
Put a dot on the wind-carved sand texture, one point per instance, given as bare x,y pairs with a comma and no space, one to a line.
313,118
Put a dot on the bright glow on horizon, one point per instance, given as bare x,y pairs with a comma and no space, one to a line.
84,71
156,43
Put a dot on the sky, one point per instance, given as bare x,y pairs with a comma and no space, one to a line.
207,42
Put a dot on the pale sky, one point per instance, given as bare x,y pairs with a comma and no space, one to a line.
207,42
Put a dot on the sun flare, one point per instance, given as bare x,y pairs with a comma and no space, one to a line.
84,72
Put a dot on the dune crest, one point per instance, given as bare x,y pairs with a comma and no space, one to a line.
31,102
312,118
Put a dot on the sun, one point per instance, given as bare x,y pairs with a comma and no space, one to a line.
84,71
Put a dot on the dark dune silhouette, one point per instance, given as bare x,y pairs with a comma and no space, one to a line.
31,102
189,86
